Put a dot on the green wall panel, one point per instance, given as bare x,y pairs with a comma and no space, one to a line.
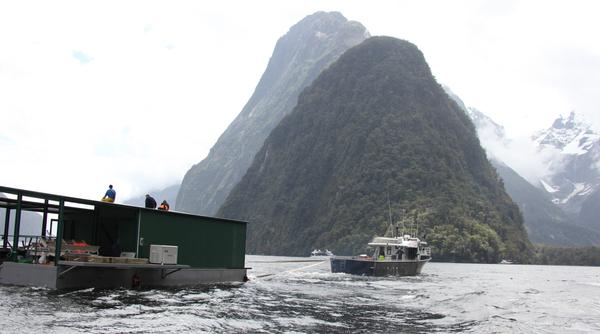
117,224
79,226
203,242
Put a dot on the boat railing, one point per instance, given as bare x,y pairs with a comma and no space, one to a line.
25,241
34,246
426,251
27,245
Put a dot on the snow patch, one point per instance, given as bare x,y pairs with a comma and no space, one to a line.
321,35
581,144
548,187
573,148
586,191
578,188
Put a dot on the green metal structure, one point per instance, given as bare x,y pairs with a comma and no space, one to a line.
203,242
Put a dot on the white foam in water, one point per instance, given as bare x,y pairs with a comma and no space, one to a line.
445,298
305,321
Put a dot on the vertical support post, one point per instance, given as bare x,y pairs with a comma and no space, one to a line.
95,239
51,225
15,246
59,230
6,227
139,226
45,218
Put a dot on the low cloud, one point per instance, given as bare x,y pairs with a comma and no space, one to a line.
521,154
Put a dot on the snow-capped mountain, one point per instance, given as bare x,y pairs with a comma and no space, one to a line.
574,173
540,196
570,135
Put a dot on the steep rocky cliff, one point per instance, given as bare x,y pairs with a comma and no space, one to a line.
309,47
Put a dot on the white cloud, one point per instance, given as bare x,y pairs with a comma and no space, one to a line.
521,154
81,57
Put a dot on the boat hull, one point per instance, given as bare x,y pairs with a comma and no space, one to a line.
369,267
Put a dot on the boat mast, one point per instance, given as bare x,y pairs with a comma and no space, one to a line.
415,224
417,232
402,214
394,232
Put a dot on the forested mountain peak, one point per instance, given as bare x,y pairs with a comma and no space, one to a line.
375,125
299,56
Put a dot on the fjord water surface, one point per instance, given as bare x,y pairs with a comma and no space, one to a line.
287,295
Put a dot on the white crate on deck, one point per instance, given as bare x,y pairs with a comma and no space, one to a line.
163,254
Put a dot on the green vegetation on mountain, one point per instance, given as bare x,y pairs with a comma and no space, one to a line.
571,256
299,56
375,125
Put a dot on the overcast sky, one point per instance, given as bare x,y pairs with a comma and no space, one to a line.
134,93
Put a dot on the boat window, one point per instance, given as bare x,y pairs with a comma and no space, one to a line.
411,253
389,250
381,250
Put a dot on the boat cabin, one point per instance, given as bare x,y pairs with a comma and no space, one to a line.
404,248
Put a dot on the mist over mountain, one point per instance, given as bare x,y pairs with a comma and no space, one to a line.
510,151
545,222
299,56
566,151
375,125
487,129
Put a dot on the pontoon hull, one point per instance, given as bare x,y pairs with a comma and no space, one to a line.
80,277
368,267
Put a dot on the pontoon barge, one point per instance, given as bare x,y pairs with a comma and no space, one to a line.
105,245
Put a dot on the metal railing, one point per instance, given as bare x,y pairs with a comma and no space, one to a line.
426,251
25,241
29,246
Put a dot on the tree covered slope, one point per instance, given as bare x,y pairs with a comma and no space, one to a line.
376,125
299,56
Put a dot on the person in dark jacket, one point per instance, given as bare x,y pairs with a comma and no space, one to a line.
150,202
164,206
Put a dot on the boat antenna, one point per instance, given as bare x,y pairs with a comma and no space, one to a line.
394,233
415,222
389,207
403,214
417,232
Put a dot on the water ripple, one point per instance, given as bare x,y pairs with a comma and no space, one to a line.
294,298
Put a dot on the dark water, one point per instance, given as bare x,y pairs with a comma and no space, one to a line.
304,297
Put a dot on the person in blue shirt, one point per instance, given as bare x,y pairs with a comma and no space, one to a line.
110,195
